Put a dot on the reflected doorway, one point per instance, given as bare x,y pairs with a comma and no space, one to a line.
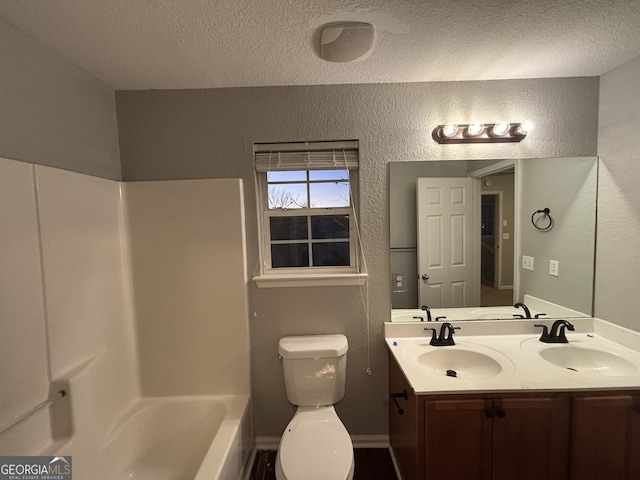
496,239
489,241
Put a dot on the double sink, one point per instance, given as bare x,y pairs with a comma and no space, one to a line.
508,355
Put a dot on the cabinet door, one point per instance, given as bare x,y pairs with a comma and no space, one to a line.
458,439
605,438
404,425
634,467
530,438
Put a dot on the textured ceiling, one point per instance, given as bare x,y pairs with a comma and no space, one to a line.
165,44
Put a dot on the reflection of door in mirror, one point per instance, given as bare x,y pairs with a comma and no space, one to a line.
497,239
448,243
567,186
489,246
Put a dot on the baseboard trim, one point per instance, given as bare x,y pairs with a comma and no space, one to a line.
395,463
370,441
249,466
267,443
359,441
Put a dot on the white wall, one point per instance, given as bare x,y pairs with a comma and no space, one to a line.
64,235
67,297
24,367
86,282
189,278
618,251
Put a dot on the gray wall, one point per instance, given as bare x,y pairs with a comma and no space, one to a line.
618,252
568,188
209,133
53,113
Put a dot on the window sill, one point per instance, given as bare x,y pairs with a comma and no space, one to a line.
310,280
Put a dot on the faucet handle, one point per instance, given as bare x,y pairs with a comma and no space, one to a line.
433,334
545,332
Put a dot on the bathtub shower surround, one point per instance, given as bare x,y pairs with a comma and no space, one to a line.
75,312
196,437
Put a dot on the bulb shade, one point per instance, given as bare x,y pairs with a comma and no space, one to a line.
475,129
524,128
449,130
501,129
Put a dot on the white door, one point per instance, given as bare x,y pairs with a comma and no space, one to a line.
448,242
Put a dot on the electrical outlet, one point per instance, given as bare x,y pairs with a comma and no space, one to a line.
399,282
527,262
554,267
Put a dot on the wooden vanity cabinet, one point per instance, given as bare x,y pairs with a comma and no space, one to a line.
605,436
539,436
473,436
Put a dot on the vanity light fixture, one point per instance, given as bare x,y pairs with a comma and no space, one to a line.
480,133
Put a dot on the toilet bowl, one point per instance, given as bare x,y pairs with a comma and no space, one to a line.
315,445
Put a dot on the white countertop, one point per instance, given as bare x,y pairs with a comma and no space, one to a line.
515,346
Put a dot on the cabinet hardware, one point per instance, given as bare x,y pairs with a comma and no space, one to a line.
395,396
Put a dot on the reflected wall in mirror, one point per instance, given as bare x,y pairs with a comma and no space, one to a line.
504,195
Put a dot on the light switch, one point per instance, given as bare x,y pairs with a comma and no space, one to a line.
554,267
504,223
527,262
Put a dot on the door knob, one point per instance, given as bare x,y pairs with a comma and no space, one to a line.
425,276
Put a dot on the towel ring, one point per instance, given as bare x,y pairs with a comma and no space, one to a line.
545,213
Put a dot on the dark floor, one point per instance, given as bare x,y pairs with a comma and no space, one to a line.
371,464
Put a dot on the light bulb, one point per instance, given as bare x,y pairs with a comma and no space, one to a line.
449,130
501,129
524,128
475,129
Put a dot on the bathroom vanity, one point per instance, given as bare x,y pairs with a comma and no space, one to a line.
500,404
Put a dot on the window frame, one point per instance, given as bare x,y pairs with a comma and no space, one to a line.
265,214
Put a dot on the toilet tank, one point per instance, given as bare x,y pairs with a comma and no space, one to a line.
314,368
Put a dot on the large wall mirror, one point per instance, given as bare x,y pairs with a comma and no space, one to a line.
460,229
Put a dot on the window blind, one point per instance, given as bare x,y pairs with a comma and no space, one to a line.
306,156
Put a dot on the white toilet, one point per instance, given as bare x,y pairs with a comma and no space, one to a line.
315,445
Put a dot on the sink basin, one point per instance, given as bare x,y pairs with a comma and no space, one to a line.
459,363
494,313
587,360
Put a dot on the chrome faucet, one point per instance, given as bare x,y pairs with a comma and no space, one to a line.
526,310
557,334
445,337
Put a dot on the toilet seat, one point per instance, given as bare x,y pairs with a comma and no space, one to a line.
315,446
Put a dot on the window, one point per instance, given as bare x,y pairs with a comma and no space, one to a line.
307,195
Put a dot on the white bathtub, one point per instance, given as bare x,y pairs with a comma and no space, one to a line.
175,438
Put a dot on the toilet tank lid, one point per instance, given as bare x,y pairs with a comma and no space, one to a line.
313,346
